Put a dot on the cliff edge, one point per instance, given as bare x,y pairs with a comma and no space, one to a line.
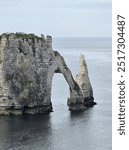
27,66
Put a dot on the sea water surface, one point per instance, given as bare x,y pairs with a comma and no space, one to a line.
61,129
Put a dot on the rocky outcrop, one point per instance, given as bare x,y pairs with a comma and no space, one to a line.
27,66
76,100
83,81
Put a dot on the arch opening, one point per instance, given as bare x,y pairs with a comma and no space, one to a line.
59,92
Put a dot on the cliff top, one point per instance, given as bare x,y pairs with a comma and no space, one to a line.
22,35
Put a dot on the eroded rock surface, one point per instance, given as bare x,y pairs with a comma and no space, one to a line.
27,66
82,79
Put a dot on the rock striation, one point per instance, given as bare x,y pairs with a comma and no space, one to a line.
27,66
82,79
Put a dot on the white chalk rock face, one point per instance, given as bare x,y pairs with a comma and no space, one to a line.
82,79
25,61
27,66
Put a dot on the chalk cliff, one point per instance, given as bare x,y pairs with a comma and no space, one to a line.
27,66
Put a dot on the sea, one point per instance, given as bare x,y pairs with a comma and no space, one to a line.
62,129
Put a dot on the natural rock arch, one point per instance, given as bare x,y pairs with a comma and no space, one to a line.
76,100
27,66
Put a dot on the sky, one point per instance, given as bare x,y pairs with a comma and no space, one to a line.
58,18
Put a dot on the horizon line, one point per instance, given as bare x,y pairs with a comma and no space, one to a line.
82,37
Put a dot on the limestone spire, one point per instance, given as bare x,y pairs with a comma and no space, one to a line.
82,79
83,65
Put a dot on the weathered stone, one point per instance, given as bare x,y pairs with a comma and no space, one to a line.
76,100
24,74
27,66
83,81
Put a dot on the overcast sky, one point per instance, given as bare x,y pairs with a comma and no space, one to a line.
59,18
